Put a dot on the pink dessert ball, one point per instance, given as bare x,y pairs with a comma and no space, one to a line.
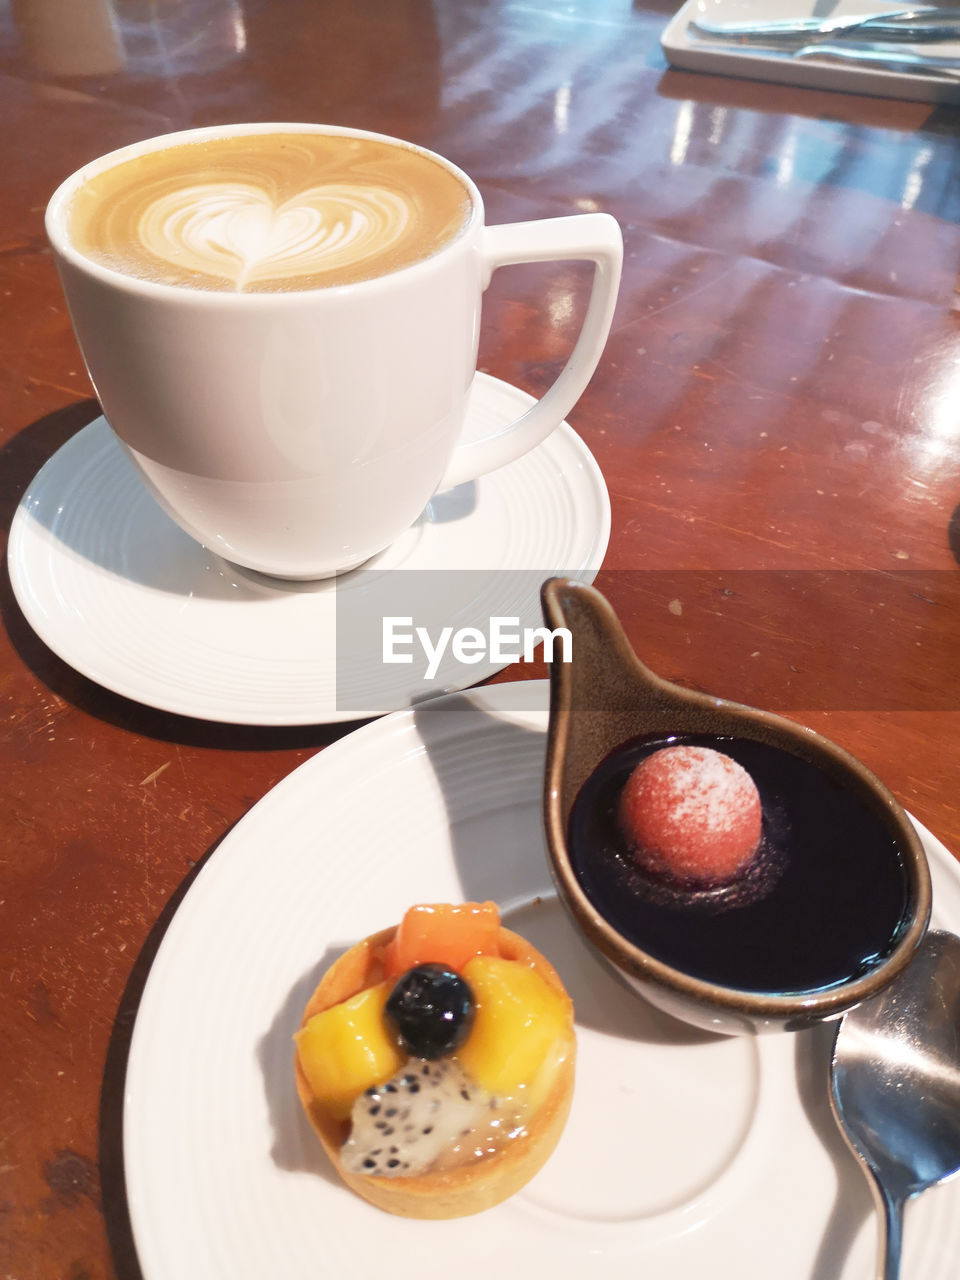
692,813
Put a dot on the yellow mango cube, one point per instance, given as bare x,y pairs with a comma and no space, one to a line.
518,1021
347,1048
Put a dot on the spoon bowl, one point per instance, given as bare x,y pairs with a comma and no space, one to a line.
605,697
895,1085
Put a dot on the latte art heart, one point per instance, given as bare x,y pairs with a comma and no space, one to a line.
237,231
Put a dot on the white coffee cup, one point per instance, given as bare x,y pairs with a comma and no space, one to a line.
299,433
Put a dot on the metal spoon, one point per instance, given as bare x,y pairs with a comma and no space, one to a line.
883,57
895,1086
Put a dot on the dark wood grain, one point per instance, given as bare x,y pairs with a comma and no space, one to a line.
777,417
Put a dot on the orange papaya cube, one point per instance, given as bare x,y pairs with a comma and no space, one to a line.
441,933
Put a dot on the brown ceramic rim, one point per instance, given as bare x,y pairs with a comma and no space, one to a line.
632,959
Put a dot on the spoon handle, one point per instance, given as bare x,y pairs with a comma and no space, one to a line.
890,1236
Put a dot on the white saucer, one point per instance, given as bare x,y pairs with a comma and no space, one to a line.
685,1155
120,593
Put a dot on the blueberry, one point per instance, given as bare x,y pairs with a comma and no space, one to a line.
432,1009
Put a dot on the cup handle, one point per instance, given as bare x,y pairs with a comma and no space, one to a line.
594,237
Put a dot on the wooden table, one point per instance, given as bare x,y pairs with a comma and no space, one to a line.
777,417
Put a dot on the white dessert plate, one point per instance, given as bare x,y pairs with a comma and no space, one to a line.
692,52
685,1155
118,591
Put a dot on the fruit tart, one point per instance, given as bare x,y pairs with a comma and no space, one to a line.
435,1061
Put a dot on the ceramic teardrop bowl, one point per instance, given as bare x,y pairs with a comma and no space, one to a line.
604,698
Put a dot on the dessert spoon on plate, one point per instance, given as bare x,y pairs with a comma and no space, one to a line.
905,60
895,1086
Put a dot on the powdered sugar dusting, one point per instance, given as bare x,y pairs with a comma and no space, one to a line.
709,787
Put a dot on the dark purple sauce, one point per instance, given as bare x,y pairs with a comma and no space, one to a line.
826,899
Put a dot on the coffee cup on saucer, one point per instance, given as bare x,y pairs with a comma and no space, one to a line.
281,323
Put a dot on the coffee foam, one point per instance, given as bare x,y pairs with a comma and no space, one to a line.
268,212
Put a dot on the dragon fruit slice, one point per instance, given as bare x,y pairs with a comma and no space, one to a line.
427,1115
